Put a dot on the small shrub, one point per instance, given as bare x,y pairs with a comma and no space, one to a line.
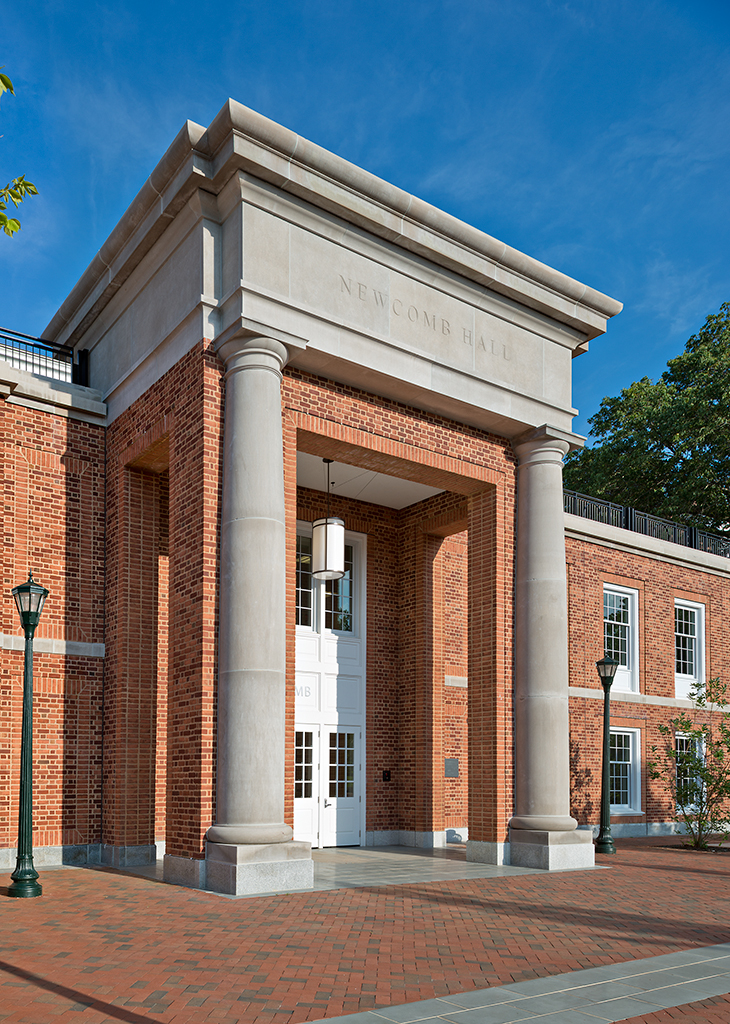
695,764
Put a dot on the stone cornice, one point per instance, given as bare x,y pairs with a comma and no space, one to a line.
239,139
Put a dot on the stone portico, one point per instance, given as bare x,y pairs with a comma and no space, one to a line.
281,278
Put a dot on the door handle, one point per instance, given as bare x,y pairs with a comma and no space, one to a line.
327,803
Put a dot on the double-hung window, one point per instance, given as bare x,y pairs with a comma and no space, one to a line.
620,634
689,751
689,647
624,771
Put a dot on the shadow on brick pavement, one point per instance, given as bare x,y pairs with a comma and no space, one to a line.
101,946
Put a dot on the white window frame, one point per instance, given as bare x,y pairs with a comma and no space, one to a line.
305,530
627,676
683,683
699,747
634,805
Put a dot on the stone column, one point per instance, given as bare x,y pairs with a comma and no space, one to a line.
250,848
542,832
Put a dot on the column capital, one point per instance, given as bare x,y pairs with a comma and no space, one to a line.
542,440
242,351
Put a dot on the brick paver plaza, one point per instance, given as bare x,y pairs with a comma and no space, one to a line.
100,946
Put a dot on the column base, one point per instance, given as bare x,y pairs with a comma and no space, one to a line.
551,851
244,870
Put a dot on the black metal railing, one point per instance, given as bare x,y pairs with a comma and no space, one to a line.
641,522
593,508
44,358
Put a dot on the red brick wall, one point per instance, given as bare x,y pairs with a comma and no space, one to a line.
456,663
53,503
658,584
173,435
491,617
427,654
163,650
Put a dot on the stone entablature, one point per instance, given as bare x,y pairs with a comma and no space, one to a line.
249,227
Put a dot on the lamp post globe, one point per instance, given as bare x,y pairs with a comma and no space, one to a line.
606,669
29,599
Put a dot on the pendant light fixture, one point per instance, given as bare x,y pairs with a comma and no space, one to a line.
328,543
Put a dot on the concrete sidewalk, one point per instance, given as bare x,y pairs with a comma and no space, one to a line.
105,947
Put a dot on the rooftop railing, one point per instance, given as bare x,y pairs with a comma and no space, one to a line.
641,522
44,358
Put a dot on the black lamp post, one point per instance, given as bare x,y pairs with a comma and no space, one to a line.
606,671
30,598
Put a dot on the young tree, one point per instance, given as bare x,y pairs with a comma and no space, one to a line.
17,189
695,764
664,447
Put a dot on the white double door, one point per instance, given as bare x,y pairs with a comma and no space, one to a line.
329,758
328,813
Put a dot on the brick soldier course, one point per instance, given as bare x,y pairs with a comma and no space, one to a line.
100,946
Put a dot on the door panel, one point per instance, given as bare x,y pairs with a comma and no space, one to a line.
341,790
306,784
341,693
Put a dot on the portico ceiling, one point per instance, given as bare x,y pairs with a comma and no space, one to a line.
362,484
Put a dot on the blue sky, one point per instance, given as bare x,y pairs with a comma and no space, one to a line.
594,136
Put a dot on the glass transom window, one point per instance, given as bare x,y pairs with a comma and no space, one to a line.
304,580
339,598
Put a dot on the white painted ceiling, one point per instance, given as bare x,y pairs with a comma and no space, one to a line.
362,484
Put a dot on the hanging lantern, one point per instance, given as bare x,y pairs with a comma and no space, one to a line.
328,543
328,549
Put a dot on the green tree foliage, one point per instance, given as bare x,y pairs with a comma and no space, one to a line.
17,189
694,764
664,447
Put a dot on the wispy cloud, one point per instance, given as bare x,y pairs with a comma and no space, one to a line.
681,294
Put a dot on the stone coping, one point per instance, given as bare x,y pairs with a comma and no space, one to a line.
615,537
56,396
